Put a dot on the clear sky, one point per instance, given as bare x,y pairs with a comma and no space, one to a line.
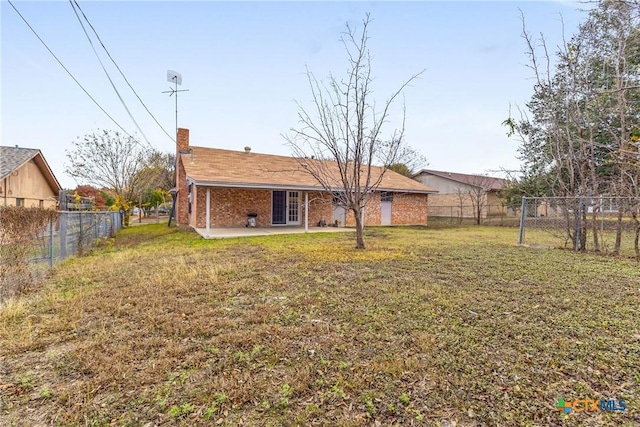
244,63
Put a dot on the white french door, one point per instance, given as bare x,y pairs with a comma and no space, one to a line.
285,208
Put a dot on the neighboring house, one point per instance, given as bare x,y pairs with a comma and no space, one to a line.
463,195
26,179
225,188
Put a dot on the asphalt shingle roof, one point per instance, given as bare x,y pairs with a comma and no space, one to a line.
213,166
11,158
492,183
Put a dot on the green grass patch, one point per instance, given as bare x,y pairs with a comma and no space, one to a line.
435,327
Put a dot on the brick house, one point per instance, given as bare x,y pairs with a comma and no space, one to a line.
460,194
220,188
26,179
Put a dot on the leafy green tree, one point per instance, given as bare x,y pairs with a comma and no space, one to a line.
575,135
577,131
402,169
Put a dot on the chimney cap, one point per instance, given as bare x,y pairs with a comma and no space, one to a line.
247,149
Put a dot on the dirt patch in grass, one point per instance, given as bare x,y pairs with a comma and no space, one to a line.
426,327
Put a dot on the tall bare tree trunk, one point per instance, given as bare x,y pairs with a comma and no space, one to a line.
594,223
636,240
616,247
340,138
357,213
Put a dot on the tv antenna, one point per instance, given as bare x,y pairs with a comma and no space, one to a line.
176,78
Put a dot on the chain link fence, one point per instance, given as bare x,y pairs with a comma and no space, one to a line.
604,224
74,233
459,215
28,248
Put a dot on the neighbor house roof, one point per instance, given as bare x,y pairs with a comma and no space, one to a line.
12,158
228,168
492,183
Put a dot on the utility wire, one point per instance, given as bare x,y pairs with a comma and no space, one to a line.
121,73
108,76
67,70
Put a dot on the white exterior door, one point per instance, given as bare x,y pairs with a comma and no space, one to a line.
285,208
293,208
340,215
385,209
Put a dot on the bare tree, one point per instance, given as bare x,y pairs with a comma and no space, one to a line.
475,193
478,191
108,159
340,139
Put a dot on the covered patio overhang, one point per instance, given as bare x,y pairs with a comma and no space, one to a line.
210,232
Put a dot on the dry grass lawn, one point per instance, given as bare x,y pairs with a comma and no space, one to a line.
426,327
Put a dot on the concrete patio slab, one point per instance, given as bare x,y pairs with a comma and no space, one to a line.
222,233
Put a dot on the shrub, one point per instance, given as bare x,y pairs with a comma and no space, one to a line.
20,230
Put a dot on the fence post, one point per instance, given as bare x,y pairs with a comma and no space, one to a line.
523,213
601,214
51,244
578,233
63,235
81,235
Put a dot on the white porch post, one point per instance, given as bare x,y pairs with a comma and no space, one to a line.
306,211
208,211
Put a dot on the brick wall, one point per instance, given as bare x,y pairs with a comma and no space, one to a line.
229,207
406,209
193,215
320,208
182,206
372,213
409,209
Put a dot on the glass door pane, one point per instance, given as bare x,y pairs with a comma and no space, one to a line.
294,208
279,207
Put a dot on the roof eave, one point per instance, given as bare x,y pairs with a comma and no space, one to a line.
255,186
47,172
266,186
42,164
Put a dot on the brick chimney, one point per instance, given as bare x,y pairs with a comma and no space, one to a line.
182,202
183,139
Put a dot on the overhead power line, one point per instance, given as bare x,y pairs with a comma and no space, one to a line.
66,69
124,104
119,70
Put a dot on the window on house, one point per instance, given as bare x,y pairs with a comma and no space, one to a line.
190,196
19,202
386,196
41,204
337,199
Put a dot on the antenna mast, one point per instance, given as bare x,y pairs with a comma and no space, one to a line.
176,78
